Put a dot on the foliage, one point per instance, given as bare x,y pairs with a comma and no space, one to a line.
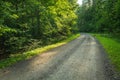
27,55
99,16
27,24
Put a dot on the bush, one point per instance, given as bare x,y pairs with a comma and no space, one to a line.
5,34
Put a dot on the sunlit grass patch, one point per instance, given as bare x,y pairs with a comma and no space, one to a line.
27,55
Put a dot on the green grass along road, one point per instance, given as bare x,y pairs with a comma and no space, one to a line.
27,55
112,47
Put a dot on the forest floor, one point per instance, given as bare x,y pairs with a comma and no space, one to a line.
81,59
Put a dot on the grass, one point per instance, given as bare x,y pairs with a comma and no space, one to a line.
27,55
112,46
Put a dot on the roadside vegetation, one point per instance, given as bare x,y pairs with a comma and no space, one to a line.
112,47
13,58
29,24
99,16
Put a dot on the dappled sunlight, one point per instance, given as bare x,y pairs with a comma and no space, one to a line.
42,59
93,43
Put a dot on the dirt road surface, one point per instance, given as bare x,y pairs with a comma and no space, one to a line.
81,59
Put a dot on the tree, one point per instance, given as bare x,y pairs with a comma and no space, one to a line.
34,22
101,16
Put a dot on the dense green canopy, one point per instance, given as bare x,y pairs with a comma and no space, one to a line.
99,16
27,24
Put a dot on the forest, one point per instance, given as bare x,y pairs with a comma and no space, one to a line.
100,16
28,24
59,40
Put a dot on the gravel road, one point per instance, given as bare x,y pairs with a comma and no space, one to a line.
81,59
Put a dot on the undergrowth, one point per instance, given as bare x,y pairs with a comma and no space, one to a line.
14,58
